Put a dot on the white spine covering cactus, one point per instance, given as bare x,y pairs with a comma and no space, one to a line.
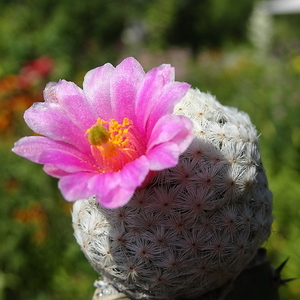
195,226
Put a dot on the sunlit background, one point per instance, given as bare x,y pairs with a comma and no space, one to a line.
245,52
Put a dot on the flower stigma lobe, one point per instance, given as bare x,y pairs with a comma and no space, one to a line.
97,135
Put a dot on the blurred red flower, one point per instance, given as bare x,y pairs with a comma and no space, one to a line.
18,92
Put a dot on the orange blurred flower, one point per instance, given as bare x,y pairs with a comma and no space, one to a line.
36,216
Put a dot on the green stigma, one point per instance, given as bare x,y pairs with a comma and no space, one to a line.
98,135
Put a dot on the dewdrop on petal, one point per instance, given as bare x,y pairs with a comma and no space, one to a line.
196,225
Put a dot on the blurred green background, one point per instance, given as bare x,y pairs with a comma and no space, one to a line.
238,52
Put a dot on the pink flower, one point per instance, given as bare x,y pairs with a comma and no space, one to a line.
106,139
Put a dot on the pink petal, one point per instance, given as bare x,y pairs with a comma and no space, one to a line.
103,183
115,189
74,103
171,94
49,93
75,186
150,92
134,173
112,189
33,146
117,197
125,83
172,128
96,87
170,137
163,156
49,119
66,161
54,172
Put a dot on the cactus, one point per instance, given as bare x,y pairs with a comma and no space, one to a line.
194,227
258,281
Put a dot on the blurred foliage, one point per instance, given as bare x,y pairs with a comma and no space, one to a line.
208,23
286,35
79,35
39,258
76,33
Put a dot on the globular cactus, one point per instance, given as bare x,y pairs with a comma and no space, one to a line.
195,226
258,281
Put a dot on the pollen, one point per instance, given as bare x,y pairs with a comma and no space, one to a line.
113,144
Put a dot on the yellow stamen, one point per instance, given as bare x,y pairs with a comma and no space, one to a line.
113,144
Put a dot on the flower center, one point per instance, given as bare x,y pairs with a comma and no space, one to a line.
113,144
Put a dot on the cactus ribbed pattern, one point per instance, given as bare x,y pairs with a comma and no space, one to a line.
195,226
